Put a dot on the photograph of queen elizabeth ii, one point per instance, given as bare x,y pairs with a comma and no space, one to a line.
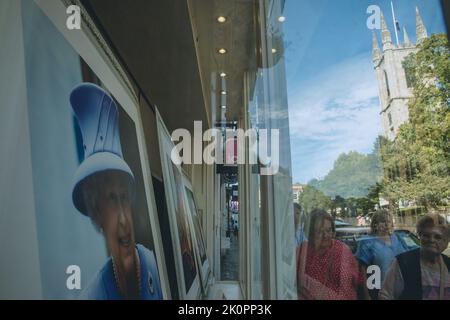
105,190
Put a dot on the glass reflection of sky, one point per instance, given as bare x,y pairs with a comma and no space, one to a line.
332,89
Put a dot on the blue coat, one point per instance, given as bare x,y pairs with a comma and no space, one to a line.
104,287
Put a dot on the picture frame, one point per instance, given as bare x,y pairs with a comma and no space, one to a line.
188,278
96,54
199,240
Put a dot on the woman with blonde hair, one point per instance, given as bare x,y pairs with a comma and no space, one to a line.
381,247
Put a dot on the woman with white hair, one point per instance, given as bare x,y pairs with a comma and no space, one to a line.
423,273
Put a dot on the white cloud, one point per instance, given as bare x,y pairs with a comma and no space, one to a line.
335,112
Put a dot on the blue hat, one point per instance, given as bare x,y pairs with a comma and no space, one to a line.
97,117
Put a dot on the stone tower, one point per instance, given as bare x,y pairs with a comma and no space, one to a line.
394,87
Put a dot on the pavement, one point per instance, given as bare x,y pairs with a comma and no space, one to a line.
229,268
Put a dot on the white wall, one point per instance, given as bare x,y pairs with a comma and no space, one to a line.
65,236
19,267
40,230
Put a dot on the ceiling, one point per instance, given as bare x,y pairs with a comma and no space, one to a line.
170,49
237,36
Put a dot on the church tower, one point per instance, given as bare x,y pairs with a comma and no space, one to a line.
394,87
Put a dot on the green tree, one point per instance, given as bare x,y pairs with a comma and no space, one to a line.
311,198
338,202
417,163
367,205
353,175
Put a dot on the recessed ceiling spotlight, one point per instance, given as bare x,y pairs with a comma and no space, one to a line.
222,50
274,50
221,19
223,92
223,107
223,75
282,18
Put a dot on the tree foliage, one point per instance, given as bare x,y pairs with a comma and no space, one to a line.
417,163
311,198
352,176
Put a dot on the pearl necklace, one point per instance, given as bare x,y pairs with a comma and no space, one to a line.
138,273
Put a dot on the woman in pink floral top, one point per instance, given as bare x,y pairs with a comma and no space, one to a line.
326,268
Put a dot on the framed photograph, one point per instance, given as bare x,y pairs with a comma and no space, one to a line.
182,233
201,256
90,201
109,189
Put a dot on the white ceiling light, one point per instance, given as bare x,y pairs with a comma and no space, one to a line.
221,19
282,18
222,50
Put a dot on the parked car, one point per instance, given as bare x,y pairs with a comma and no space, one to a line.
351,236
409,239
341,223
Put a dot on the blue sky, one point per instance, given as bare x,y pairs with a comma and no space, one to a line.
332,89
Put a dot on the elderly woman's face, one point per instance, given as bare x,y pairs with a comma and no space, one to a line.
433,240
323,234
385,227
116,220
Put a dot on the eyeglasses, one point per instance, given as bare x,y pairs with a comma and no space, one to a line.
431,236
324,232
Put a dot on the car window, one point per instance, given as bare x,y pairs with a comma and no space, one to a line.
408,239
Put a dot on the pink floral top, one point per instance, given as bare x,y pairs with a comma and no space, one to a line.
335,275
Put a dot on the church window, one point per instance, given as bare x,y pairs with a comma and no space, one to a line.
409,77
386,80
